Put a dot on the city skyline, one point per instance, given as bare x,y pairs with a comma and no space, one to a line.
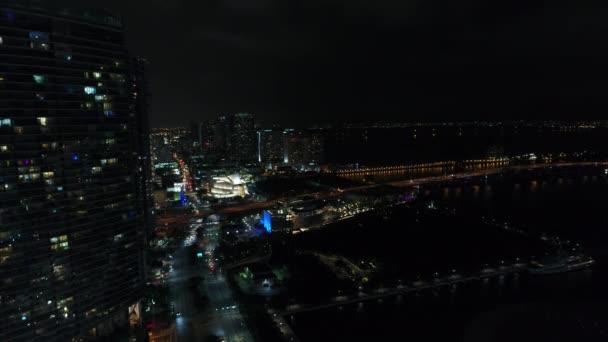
320,171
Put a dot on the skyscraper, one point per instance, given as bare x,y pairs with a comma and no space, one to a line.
141,143
242,140
271,146
230,138
297,147
71,232
317,146
208,138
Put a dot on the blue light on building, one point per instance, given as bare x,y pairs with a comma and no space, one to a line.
266,221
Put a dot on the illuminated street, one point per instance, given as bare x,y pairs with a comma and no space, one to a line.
220,317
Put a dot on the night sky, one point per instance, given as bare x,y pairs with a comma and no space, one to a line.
320,61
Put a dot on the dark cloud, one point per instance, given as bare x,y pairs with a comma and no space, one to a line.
330,60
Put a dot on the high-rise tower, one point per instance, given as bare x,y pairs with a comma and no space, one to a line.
71,231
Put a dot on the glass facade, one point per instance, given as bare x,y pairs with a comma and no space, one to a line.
71,229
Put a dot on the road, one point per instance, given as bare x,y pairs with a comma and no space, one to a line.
220,317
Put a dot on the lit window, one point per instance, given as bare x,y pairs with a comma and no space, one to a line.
39,79
96,169
108,113
90,90
3,148
59,242
59,272
6,122
5,253
39,36
29,177
97,74
48,174
1,40
107,106
39,45
42,121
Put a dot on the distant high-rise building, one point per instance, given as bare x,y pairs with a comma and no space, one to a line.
230,138
206,135
271,146
72,171
242,140
317,146
195,131
297,147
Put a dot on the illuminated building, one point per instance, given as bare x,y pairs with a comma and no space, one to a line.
266,221
310,214
228,186
71,229
277,220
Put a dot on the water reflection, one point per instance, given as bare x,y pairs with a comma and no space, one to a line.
539,204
